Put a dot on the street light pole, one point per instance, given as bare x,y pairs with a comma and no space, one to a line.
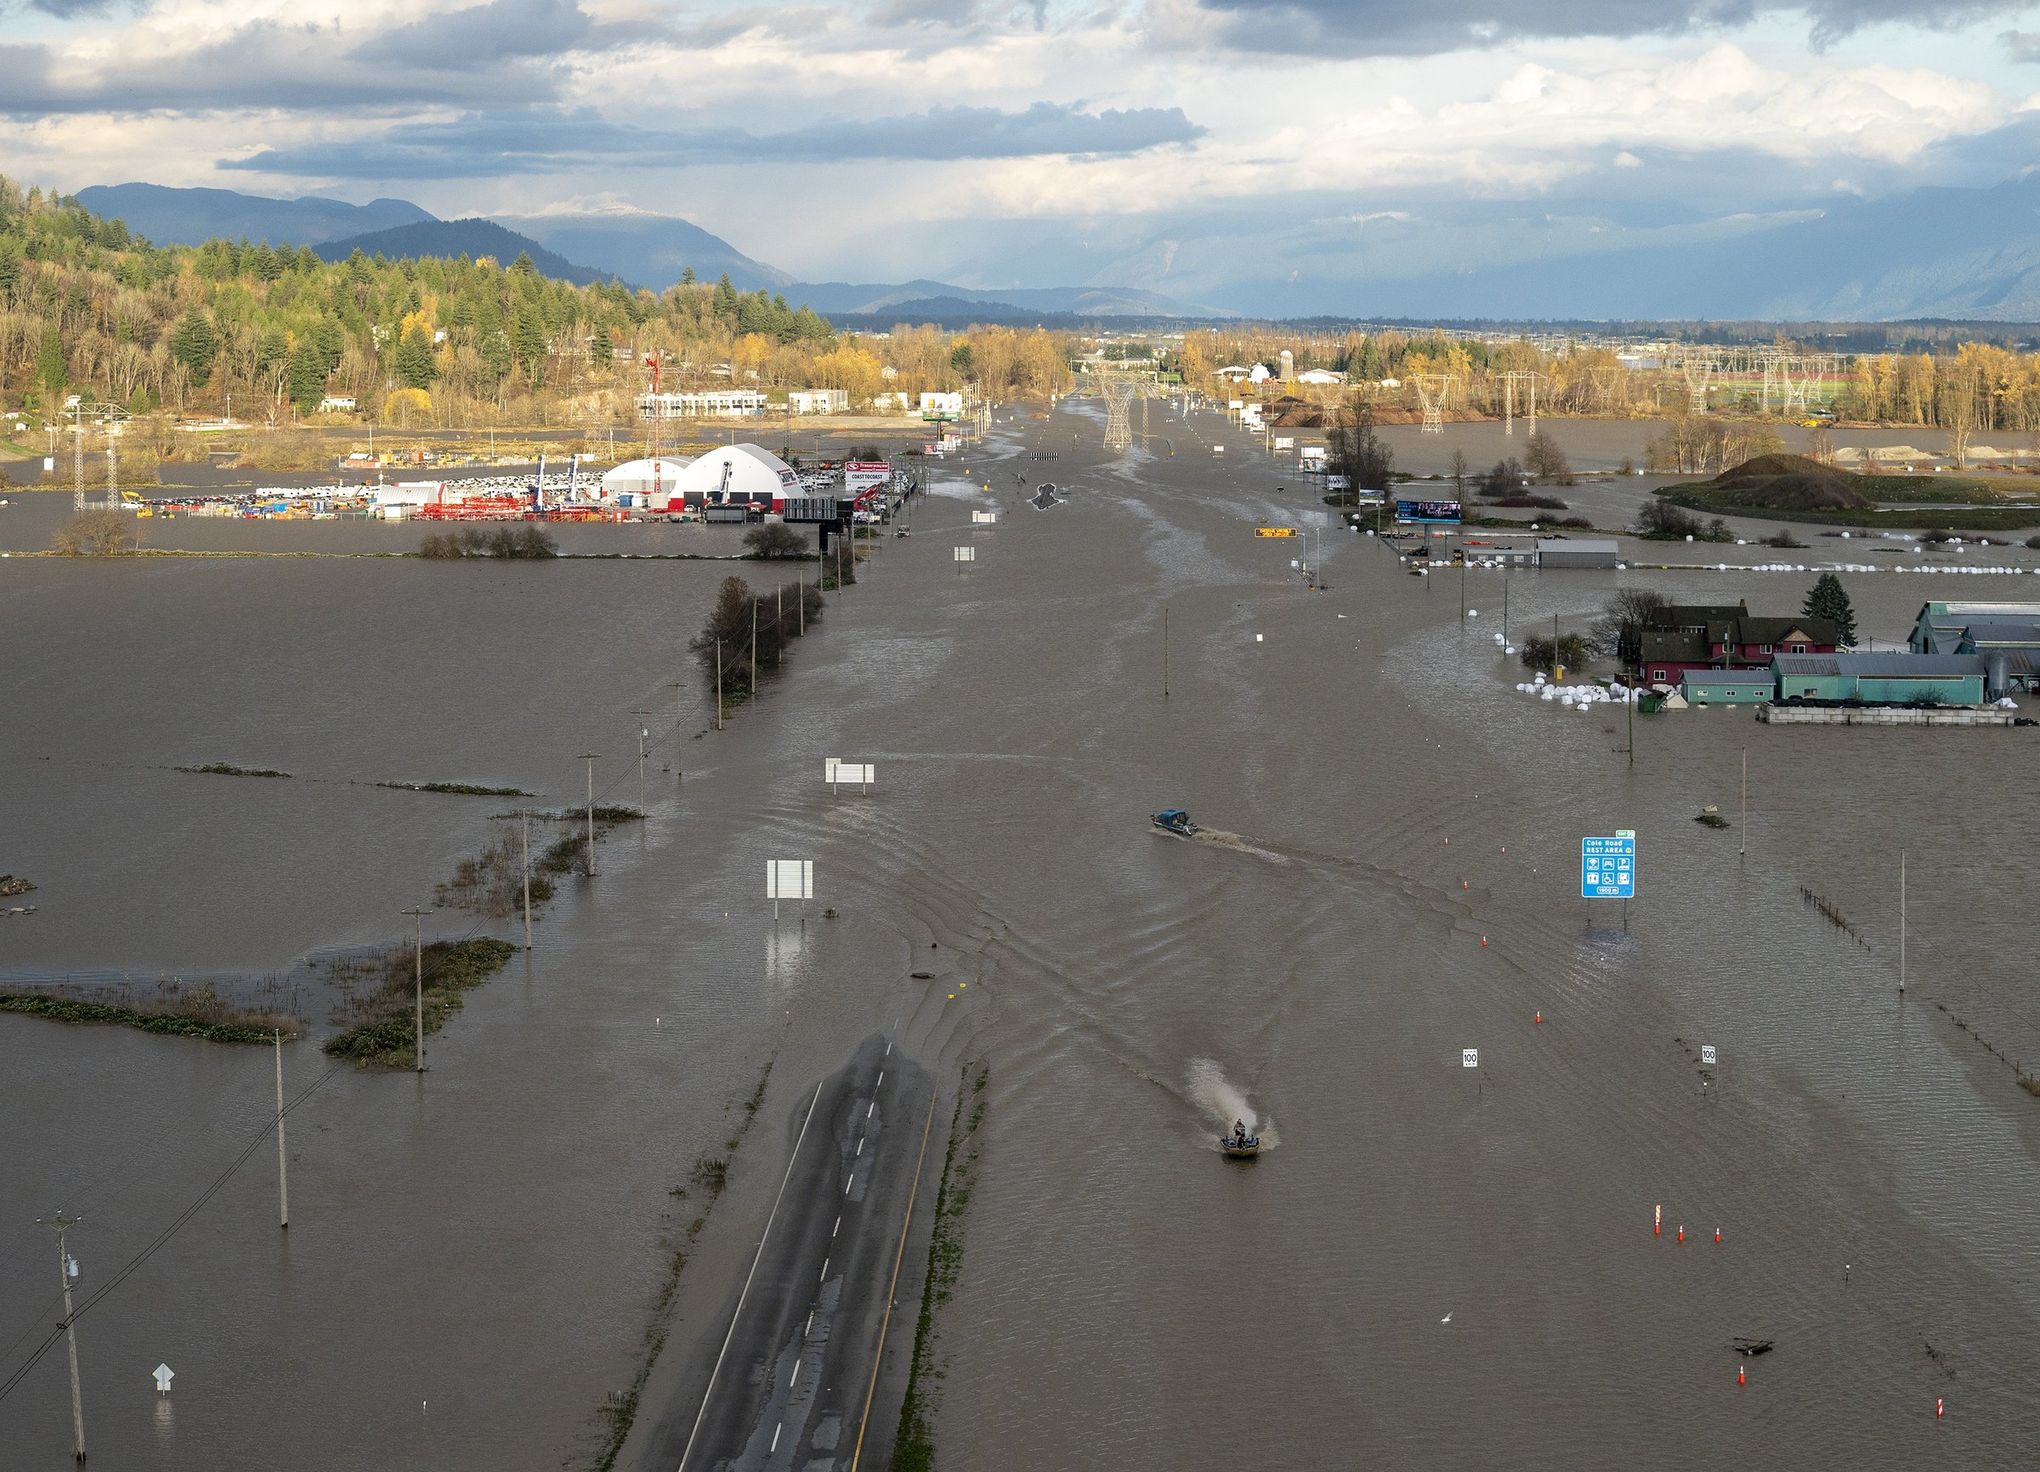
418,995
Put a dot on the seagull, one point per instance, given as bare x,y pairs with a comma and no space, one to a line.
1446,1320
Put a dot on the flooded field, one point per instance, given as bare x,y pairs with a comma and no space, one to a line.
1435,1266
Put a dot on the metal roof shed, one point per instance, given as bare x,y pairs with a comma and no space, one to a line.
1577,552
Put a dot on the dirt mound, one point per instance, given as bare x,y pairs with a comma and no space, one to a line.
1791,483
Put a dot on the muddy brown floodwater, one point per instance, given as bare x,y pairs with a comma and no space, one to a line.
1432,1266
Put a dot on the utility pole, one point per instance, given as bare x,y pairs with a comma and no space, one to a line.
1742,806
418,995
718,684
754,646
589,757
1901,952
61,1224
282,1160
679,689
1165,651
525,814
643,738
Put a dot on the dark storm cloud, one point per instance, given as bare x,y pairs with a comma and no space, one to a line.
484,144
293,67
1398,28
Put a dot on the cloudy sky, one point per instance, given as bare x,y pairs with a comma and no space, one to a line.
885,138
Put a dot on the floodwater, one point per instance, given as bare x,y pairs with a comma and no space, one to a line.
1438,1267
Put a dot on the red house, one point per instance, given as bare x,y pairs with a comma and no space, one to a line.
1725,637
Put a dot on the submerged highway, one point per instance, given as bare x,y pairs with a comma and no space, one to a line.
792,1380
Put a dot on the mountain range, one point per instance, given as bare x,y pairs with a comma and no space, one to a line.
1969,253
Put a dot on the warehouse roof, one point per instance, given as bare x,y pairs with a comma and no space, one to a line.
1882,666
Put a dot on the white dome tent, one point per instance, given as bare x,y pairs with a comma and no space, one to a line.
634,478
734,475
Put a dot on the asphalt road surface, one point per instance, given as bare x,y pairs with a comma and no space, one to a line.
790,1381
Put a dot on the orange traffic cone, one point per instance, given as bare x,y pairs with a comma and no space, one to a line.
1739,1377
1539,1018
1682,1231
1717,1236
1940,1408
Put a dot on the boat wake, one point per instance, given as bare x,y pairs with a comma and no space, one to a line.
1223,1101
1239,844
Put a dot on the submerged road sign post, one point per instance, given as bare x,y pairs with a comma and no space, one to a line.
789,879
1608,867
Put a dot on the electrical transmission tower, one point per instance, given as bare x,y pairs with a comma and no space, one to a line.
1697,369
1432,391
109,417
1118,393
1509,382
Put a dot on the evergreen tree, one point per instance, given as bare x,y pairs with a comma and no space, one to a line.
194,344
414,358
1829,600
306,380
50,376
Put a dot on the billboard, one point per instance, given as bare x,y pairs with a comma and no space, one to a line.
1284,442
860,476
1427,511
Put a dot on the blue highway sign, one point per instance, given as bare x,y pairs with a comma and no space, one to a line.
1608,867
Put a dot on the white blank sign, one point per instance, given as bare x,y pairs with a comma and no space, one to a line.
789,879
984,518
1469,1057
966,554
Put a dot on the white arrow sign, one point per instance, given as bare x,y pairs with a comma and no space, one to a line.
164,1374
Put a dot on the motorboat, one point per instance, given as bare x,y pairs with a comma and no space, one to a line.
1174,820
1240,1147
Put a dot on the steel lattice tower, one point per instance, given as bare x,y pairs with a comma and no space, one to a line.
1118,400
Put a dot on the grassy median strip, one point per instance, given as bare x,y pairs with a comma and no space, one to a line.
914,1445
201,1018
459,789
386,1038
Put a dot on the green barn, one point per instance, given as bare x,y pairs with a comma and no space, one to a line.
1881,679
1727,687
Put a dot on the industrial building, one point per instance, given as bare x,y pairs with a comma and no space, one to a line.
1881,679
713,403
2005,635
1570,552
818,401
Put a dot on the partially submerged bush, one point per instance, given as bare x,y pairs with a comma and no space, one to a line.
99,534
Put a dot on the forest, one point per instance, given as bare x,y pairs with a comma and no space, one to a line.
268,334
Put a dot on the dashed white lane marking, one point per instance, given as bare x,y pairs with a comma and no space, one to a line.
775,1435
869,1107
860,1144
835,1229
888,1050
794,1376
847,1184
825,1271
716,1369
810,1324
881,1081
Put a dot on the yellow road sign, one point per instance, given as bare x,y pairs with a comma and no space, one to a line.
1274,531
